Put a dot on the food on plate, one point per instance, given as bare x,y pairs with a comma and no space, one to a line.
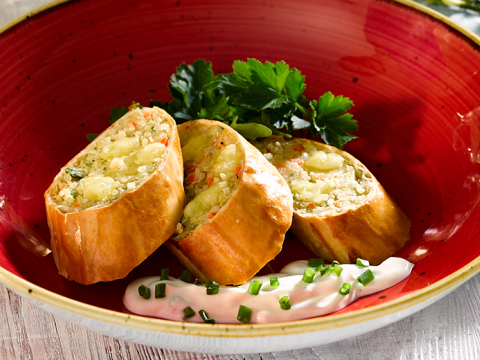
341,212
301,290
238,206
119,199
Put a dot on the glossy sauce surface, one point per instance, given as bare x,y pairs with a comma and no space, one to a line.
308,300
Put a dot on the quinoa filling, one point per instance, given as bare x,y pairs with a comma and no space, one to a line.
323,183
212,166
121,159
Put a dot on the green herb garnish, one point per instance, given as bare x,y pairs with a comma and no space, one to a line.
188,313
164,274
203,314
274,281
244,314
144,291
160,290
74,173
345,289
254,287
212,287
185,276
362,263
308,275
366,277
256,99
73,192
285,302
316,262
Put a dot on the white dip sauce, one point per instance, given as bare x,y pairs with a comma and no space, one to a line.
308,300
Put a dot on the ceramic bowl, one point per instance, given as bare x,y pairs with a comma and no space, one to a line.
411,73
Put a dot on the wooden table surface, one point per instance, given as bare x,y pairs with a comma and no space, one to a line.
448,329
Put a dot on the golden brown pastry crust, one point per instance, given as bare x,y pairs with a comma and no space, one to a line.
248,231
372,231
106,243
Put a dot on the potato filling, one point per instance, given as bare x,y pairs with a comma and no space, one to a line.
323,183
212,166
118,162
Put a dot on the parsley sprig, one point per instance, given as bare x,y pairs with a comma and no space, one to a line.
256,99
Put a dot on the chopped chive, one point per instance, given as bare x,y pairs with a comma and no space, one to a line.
285,302
254,287
345,289
212,287
362,263
73,193
74,173
164,274
337,270
89,163
316,262
185,276
198,282
366,277
335,262
160,290
188,313
308,275
326,270
274,281
244,314
203,314
153,128
144,291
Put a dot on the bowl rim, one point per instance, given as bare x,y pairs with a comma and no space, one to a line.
430,292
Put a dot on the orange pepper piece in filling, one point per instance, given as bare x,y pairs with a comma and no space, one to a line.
237,170
190,168
190,179
164,141
211,215
297,160
210,181
298,148
311,206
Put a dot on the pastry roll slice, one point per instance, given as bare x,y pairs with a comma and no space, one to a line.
238,206
118,200
341,212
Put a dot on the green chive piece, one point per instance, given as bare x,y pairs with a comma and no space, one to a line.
308,275
285,302
203,314
89,163
160,290
144,291
362,263
366,277
212,287
335,262
153,128
337,270
164,274
73,193
185,276
316,262
244,314
74,173
345,289
326,270
254,287
188,313
198,282
274,281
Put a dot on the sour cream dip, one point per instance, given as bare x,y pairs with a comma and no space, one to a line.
308,300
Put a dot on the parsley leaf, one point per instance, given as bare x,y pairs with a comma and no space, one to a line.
330,121
117,113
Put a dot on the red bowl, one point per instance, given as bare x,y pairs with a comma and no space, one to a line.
412,75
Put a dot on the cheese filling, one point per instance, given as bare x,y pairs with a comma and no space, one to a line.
118,162
212,166
322,182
